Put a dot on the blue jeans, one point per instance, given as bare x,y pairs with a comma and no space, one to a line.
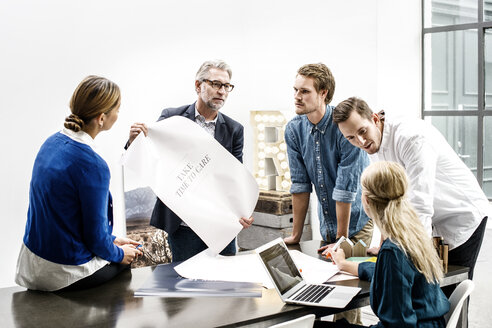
185,243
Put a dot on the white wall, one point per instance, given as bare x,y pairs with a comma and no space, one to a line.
152,49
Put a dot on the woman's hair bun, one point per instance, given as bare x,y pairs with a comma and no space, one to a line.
74,123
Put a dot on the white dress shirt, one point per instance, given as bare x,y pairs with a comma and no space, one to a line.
443,190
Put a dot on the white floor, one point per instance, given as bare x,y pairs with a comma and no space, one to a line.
480,312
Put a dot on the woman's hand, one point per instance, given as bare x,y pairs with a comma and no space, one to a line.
120,241
338,258
131,253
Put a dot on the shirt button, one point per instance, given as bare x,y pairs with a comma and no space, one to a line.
321,186
326,212
324,199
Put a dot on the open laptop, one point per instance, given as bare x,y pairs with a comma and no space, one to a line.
291,285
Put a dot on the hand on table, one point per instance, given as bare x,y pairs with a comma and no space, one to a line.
324,249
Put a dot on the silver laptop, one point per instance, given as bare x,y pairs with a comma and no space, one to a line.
291,285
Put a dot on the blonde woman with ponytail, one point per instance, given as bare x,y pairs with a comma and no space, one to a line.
405,279
68,241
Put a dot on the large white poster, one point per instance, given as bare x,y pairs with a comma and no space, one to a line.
190,172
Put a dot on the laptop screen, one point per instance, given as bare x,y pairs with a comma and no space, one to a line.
281,267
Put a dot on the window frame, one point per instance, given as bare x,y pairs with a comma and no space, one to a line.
480,26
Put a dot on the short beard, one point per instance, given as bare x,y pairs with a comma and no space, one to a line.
213,106
304,111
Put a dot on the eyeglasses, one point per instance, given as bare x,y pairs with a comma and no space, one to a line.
217,85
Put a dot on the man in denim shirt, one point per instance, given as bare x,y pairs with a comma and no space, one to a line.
320,155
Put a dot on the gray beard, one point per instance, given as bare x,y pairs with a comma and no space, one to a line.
214,107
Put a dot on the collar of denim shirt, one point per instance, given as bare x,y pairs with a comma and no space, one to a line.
321,126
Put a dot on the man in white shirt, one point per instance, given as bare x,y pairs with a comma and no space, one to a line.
443,190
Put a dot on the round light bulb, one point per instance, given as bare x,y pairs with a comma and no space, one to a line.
283,146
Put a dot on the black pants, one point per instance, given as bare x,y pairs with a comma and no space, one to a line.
467,253
99,277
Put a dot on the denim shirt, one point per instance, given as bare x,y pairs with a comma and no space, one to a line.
320,155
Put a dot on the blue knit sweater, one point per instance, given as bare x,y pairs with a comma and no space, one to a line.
70,213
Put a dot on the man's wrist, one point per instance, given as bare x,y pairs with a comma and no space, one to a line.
296,236
340,236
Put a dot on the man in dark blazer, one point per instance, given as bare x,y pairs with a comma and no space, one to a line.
212,85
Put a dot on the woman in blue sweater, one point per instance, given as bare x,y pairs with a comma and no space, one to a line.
68,241
405,288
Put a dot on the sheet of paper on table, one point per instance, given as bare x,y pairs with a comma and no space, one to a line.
342,276
208,266
248,268
314,271
197,178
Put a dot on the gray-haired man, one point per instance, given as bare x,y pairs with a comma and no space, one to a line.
212,85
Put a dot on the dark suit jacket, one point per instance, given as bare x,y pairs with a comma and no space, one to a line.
230,135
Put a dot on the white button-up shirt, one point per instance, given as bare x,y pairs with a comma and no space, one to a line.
443,190
208,126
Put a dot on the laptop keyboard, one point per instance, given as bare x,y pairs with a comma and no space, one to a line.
314,293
